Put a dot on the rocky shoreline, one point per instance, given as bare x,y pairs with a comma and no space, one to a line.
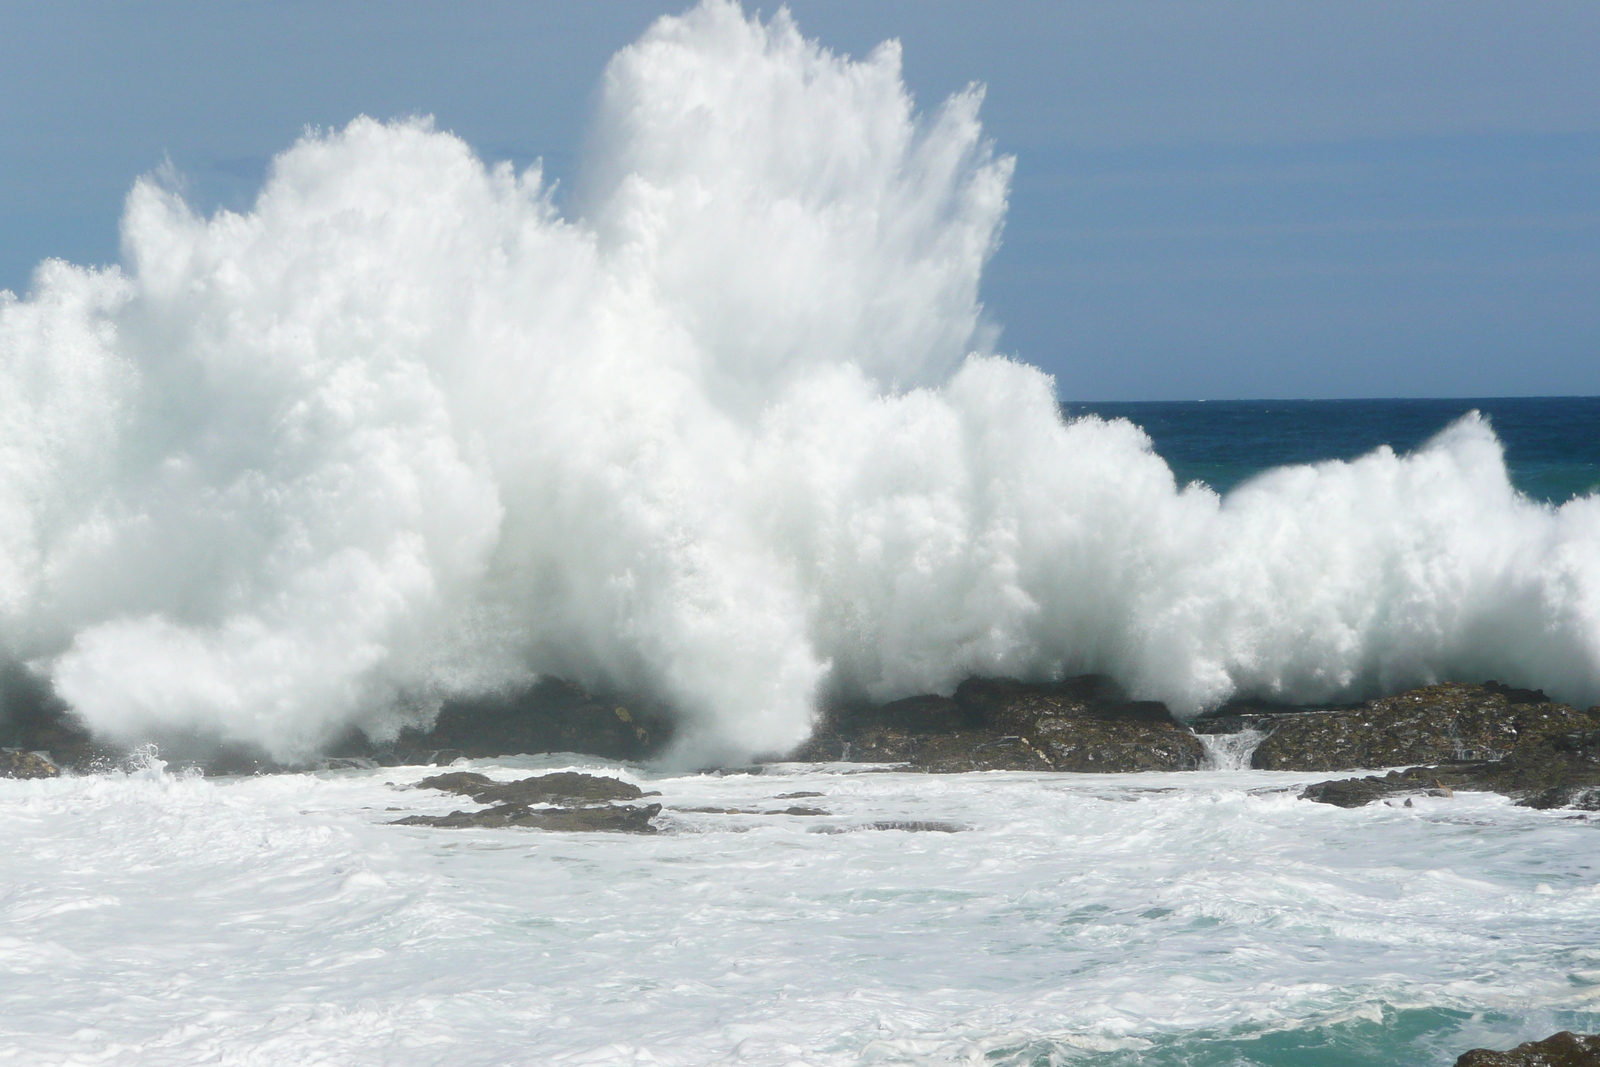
1447,737
1453,736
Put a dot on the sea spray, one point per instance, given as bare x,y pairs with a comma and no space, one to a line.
729,432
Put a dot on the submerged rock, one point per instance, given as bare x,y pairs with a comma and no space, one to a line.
615,818
1453,722
1565,1049
1083,724
510,803
17,763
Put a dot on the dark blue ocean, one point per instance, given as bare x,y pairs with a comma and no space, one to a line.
1552,443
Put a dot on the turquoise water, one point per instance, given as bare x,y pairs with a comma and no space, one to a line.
1552,443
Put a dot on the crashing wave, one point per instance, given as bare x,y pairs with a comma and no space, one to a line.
728,431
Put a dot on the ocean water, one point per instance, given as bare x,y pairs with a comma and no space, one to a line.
1207,918
1552,444
726,430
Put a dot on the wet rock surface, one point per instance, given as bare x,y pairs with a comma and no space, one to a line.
33,719
1454,736
549,716
1454,722
1358,792
559,788
1082,724
588,799
1565,1049
18,763
1553,771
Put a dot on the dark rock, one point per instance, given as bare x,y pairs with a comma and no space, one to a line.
1087,724
1514,695
1439,723
1356,792
347,763
510,803
562,787
1231,721
1565,1049
550,716
34,719
620,818
929,733
1547,772
565,786
1083,724
463,782
1551,771
17,763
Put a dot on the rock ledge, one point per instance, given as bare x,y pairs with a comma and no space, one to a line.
1565,1049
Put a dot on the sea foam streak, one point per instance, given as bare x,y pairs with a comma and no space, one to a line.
406,430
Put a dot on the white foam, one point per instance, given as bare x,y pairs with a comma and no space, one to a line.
717,434
152,919
1231,752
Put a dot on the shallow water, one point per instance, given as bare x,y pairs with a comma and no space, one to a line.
1201,918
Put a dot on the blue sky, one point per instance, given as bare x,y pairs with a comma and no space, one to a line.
1232,198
